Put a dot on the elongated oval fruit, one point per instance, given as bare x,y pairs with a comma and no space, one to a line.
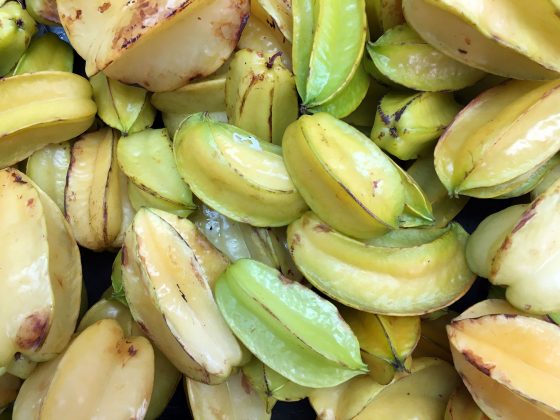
501,137
167,270
489,236
166,376
406,125
48,168
116,38
526,261
43,11
92,198
461,406
268,313
42,108
110,362
444,207
41,273
405,272
343,176
16,30
147,160
205,94
386,342
406,59
261,95
422,394
46,53
509,39
328,44
509,364
231,400
270,385
125,108
239,240
235,173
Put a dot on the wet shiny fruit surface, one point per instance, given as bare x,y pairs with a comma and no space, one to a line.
279,209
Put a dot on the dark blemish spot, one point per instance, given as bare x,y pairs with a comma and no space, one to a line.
295,242
245,384
143,327
78,14
17,178
393,132
18,356
255,78
468,41
322,228
30,202
124,256
127,42
285,280
462,51
272,59
526,216
244,20
384,117
33,331
132,351
104,7
19,23
477,362
512,315
182,294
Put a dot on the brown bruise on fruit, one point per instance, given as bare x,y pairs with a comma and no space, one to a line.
526,216
104,7
477,362
33,330
322,228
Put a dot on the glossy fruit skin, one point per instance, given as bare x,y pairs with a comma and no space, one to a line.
125,108
422,394
206,154
146,158
407,125
128,34
155,248
522,48
233,399
390,274
105,393
28,124
46,53
402,57
93,200
491,129
16,30
42,278
166,376
505,389
260,95
321,157
386,342
268,312
328,45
